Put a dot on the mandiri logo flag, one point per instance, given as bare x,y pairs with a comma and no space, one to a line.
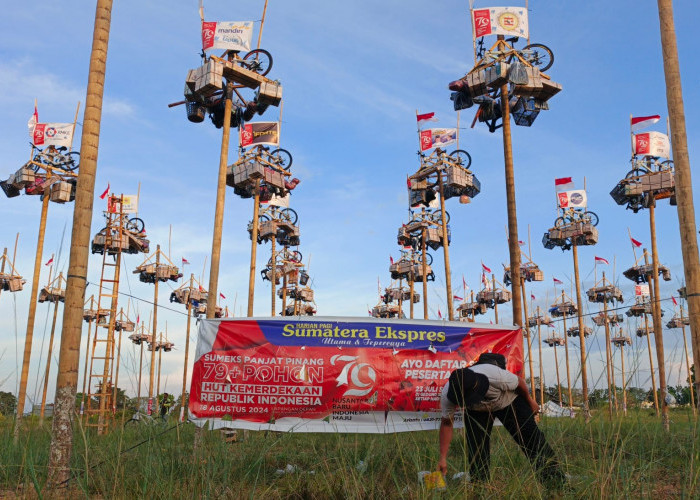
509,21
572,199
234,35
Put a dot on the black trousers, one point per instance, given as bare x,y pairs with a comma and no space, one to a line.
519,421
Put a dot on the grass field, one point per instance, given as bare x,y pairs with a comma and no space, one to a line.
628,457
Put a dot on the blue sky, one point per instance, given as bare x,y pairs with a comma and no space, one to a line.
354,74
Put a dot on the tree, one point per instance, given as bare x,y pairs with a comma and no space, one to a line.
8,403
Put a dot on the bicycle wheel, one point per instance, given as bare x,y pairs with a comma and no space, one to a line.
592,216
289,214
461,157
282,157
428,258
636,172
135,225
72,160
666,165
258,60
540,56
295,256
437,217
560,221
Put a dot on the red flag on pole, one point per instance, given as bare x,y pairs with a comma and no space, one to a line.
185,261
105,193
50,261
487,269
640,122
635,242
563,184
439,313
222,296
674,300
557,282
426,117
601,260
391,259
464,283
532,296
457,298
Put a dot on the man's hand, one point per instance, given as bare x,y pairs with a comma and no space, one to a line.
442,466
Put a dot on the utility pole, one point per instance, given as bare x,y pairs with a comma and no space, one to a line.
154,340
425,271
446,249
684,186
187,350
69,358
582,337
273,277
254,248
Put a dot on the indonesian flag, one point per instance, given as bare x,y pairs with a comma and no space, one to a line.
33,120
138,318
464,283
674,300
532,296
439,313
408,182
391,259
369,312
222,296
563,184
557,282
485,282
105,193
185,261
457,298
635,242
640,122
50,261
427,117
601,260
483,266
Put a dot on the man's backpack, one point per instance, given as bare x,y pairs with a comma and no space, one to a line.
492,358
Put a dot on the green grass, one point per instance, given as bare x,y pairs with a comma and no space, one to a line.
624,458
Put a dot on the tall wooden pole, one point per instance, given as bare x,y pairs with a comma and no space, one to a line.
4,259
87,355
412,285
651,365
446,249
624,381
566,351
219,210
526,327
160,360
539,347
495,302
582,337
556,363
154,335
115,387
608,356
69,358
48,362
187,350
22,395
138,390
425,272
273,277
656,316
684,186
254,248
687,365
513,246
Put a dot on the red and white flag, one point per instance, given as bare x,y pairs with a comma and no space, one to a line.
457,298
105,193
532,296
674,300
635,242
485,282
222,296
185,261
483,266
439,313
557,282
426,117
601,260
639,122
391,259
138,318
464,283
236,35
563,184
33,120
369,312
50,261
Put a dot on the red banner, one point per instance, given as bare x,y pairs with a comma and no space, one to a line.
331,375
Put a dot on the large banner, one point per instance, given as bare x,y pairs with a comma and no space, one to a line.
437,137
236,35
334,374
508,21
260,133
52,134
651,144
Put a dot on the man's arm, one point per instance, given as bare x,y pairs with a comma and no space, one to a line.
523,391
445,439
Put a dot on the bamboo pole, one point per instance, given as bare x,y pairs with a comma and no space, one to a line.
526,327
412,285
556,363
24,376
160,361
284,293
582,337
138,390
566,351
513,246
69,357
684,186
87,355
446,249
495,302
48,363
624,381
187,349
115,386
273,277
154,334
687,365
2,266
425,273
608,356
254,248
651,365
539,347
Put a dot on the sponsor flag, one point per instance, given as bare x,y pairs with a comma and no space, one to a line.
674,300
641,290
427,117
635,242
483,266
33,120
639,122
52,134
651,144
557,282
278,201
457,298
50,261
252,134
437,137
105,193
185,261
222,296
572,199
601,260
563,184
236,35
509,21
